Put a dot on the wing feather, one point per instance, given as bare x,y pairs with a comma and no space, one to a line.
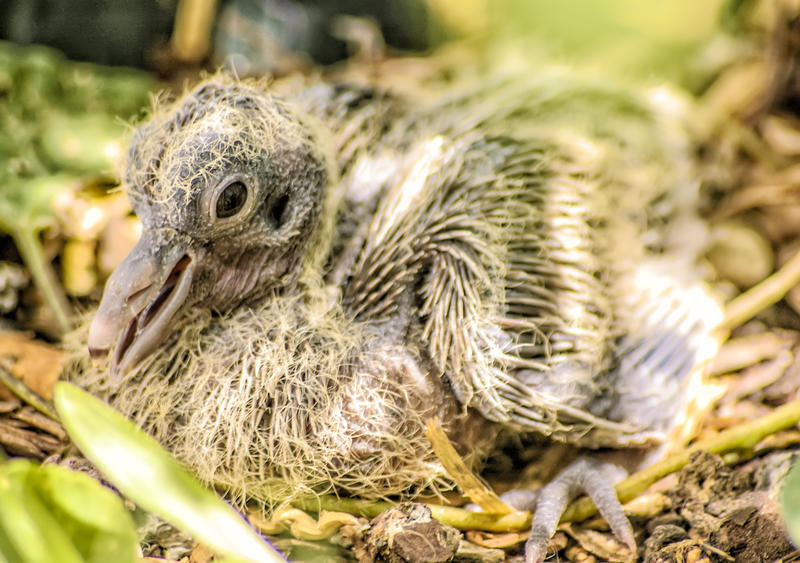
500,245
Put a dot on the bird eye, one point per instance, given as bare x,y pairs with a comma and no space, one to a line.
231,200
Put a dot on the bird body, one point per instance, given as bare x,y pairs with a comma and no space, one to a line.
517,256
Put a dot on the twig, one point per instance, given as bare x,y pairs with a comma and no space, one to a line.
716,551
26,394
470,484
762,295
191,36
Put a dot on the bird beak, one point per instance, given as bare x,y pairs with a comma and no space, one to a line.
140,299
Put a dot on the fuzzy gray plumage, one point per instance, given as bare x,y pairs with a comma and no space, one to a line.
520,255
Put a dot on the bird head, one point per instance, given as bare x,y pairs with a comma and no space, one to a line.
228,183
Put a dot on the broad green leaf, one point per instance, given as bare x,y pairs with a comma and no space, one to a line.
50,513
654,41
143,471
26,204
88,143
30,533
790,502
59,123
91,514
26,209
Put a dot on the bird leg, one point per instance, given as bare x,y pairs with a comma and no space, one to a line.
589,474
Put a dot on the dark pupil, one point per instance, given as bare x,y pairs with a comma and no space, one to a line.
231,200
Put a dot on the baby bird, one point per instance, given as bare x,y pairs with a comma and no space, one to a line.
320,273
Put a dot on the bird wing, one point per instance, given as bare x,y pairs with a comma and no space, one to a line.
489,249
493,234
437,232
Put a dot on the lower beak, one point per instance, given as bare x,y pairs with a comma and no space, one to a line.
140,299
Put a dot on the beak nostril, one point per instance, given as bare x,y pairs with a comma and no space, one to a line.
136,294
166,290
178,269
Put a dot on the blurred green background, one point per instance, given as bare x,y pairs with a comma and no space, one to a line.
670,39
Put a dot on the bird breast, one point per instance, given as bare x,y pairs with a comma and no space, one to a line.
285,399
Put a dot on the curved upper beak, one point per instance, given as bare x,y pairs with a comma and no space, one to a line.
140,299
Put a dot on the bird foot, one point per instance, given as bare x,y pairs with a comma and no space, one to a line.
590,475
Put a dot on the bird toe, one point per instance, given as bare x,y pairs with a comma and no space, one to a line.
589,475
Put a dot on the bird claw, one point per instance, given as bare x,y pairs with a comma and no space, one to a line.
592,476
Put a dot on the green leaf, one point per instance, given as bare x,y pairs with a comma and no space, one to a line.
27,203
30,533
26,209
50,512
790,502
87,143
94,516
624,37
143,471
59,122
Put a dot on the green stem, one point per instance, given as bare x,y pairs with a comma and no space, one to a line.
458,517
762,295
742,437
43,276
26,394
358,507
